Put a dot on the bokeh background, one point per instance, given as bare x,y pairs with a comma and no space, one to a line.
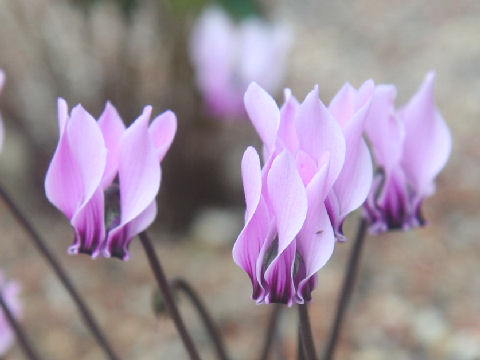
418,294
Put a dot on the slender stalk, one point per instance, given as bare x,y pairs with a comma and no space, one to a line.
271,331
168,296
348,283
306,332
25,343
181,285
300,351
87,315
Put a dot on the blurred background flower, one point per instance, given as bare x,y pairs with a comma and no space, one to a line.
10,291
132,53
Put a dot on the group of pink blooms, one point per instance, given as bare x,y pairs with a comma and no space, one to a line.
316,166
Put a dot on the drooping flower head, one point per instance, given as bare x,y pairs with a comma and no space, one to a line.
228,56
10,291
288,234
410,146
105,177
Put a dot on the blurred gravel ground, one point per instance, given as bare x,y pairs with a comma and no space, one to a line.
418,293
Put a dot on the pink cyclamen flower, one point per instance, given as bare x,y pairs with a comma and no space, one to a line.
288,234
105,177
410,146
2,81
10,291
227,57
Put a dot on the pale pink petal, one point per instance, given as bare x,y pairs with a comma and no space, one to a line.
428,141
342,106
248,246
287,132
287,198
279,277
383,128
62,114
89,225
318,133
112,129
264,114
78,164
139,177
252,181
162,131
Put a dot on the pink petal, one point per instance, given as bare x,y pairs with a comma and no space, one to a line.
89,226
319,133
248,246
316,240
62,113
287,132
428,141
287,197
162,131
342,106
383,128
252,181
139,177
264,114
112,129
78,164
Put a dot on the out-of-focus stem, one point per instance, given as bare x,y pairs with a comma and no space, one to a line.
300,352
25,343
168,296
180,285
348,283
61,274
271,331
306,333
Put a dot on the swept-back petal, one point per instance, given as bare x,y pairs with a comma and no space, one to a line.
62,114
318,132
112,128
280,287
383,128
264,114
287,132
78,164
247,250
139,176
162,131
342,106
252,180
428,141
89,226
316,240
287,197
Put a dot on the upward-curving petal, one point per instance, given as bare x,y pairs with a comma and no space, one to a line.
139,177
162,131
264,114
288,198
287,132
112,128
318,133
252,180
383,128
428,141
77,166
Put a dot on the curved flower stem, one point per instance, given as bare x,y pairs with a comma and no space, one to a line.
168,296
306,332
62,276
271,331
25,343
347,288
181,285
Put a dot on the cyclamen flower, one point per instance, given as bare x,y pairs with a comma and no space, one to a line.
10,291
105,178
288,234
410,146
227,57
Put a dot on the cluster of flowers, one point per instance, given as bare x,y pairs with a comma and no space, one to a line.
317,169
